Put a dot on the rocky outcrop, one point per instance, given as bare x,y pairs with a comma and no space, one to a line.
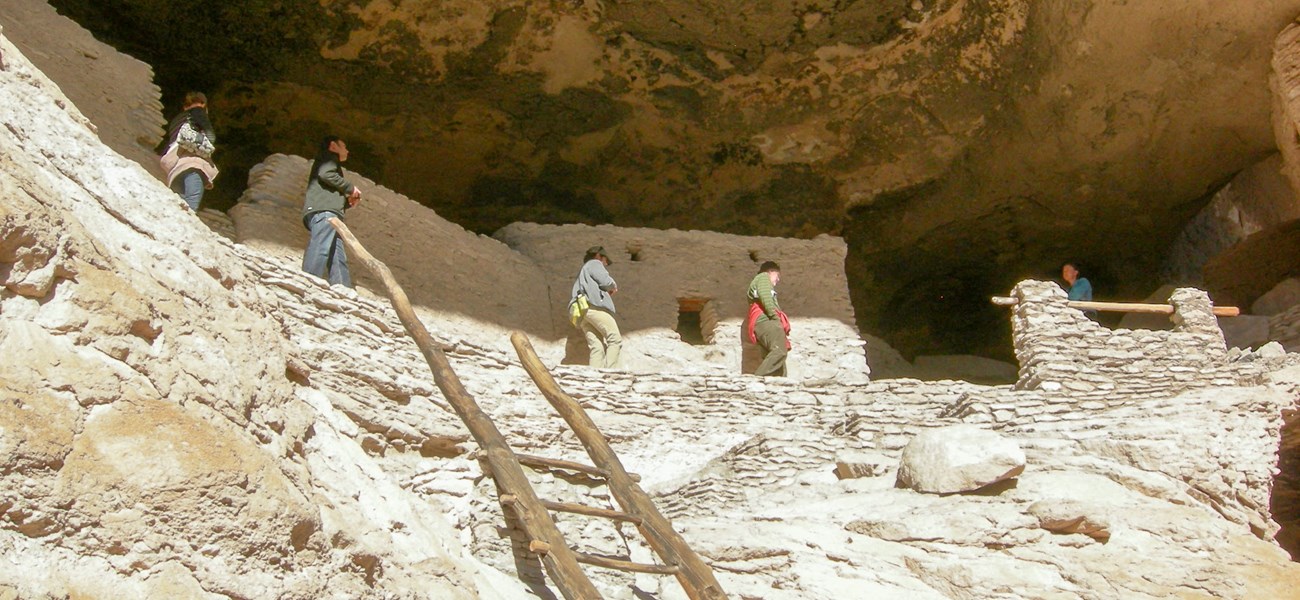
114,91
1284,80
155,442
193,418
957,145
1258,198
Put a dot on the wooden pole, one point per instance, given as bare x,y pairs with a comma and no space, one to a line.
695,576
561,563
541,462
1130,307
625,565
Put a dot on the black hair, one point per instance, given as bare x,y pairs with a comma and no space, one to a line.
326,141
769,266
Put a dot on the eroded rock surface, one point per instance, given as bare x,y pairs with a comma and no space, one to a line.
192,418
958,145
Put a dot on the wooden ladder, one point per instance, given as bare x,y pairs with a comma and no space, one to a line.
524,511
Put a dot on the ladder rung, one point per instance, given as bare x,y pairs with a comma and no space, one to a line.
578,509
592,511
623,565
530,460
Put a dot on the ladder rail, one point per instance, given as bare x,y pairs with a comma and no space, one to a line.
695,576
561,562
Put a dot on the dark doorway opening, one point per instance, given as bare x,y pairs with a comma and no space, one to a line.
1285,503
696,320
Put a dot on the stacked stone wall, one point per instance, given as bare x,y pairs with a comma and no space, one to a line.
659,269
1059,348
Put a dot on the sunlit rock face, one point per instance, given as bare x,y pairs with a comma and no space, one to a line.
958,145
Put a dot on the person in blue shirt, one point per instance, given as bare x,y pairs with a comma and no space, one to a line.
1080,288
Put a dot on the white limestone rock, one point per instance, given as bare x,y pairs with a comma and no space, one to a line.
1069,516
852,465
959,458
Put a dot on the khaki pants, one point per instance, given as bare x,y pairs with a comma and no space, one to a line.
771,337
603,339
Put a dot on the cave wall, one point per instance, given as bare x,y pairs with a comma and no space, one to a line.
191,418
1284,81
466,279
1257,198
957,145
114,91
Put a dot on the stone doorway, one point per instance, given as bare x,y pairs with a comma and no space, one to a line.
697,320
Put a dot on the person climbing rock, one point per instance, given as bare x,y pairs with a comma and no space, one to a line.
186,151
597,323
767,325
328,195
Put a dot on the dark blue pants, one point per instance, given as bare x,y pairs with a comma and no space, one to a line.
325,251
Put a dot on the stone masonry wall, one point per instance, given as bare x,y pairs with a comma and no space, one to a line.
659,270
474,282
1059,348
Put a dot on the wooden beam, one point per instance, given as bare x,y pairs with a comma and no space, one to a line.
592,511
530,460
624,565
1129,307
561,564
580,509
696,577
541,462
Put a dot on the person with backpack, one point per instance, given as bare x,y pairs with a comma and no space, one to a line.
328,195
766,324
594,289
186,151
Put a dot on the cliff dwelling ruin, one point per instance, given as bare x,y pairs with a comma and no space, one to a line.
184,413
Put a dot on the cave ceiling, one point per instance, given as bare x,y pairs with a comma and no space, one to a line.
958,145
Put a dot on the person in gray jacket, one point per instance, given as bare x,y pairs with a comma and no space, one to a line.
328,195
597,324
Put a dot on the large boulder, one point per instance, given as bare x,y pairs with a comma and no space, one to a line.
959,458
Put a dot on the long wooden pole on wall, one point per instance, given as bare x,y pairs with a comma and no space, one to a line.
1129,307
561,562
